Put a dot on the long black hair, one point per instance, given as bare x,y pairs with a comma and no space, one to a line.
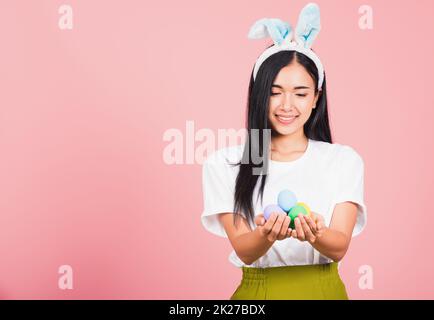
316,128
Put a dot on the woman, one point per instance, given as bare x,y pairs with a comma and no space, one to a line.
287,97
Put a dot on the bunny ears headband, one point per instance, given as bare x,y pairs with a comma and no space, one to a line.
307,29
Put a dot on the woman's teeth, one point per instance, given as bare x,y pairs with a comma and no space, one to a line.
286,120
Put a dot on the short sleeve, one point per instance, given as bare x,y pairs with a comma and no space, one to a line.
218,182
351,186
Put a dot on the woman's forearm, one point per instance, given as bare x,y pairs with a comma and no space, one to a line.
332,244
251,246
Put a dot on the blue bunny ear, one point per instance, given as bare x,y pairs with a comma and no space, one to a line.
309,25
274,28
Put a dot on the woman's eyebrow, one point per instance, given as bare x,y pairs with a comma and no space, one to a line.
295,88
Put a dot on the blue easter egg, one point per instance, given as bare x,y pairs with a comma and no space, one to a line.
286,200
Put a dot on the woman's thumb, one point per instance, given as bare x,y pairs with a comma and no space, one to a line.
259,220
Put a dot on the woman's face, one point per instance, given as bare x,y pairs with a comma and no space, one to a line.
292,99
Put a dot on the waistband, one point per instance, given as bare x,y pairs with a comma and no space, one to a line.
294,272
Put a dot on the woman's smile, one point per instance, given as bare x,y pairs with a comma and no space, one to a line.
286,120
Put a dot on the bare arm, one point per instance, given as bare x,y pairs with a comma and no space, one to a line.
336,239
250,244
332,242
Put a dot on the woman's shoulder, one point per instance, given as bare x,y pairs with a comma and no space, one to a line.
338,152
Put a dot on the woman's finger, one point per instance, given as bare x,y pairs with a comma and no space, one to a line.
268,226
299,229
317,219
306,229
320,222
289,233
284,229
311,224
275,231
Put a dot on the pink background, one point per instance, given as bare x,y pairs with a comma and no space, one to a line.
82,117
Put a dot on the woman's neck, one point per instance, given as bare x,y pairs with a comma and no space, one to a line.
286,145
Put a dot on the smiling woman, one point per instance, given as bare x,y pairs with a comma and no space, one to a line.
293,86
287,96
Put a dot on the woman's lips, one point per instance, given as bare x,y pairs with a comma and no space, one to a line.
285,120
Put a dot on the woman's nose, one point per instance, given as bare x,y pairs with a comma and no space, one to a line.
286,108
287,102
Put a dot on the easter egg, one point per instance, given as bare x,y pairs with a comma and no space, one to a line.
300,208
286,200
305,206
272,208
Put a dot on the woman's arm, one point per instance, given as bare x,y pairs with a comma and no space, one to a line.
332,242
251,245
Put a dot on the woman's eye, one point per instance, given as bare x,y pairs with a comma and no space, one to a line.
278,93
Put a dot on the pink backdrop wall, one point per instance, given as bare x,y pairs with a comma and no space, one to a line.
83,113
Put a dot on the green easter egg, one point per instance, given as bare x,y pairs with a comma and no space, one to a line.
294,212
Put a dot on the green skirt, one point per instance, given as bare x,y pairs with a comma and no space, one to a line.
310,282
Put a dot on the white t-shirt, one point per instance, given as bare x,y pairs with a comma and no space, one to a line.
325,175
